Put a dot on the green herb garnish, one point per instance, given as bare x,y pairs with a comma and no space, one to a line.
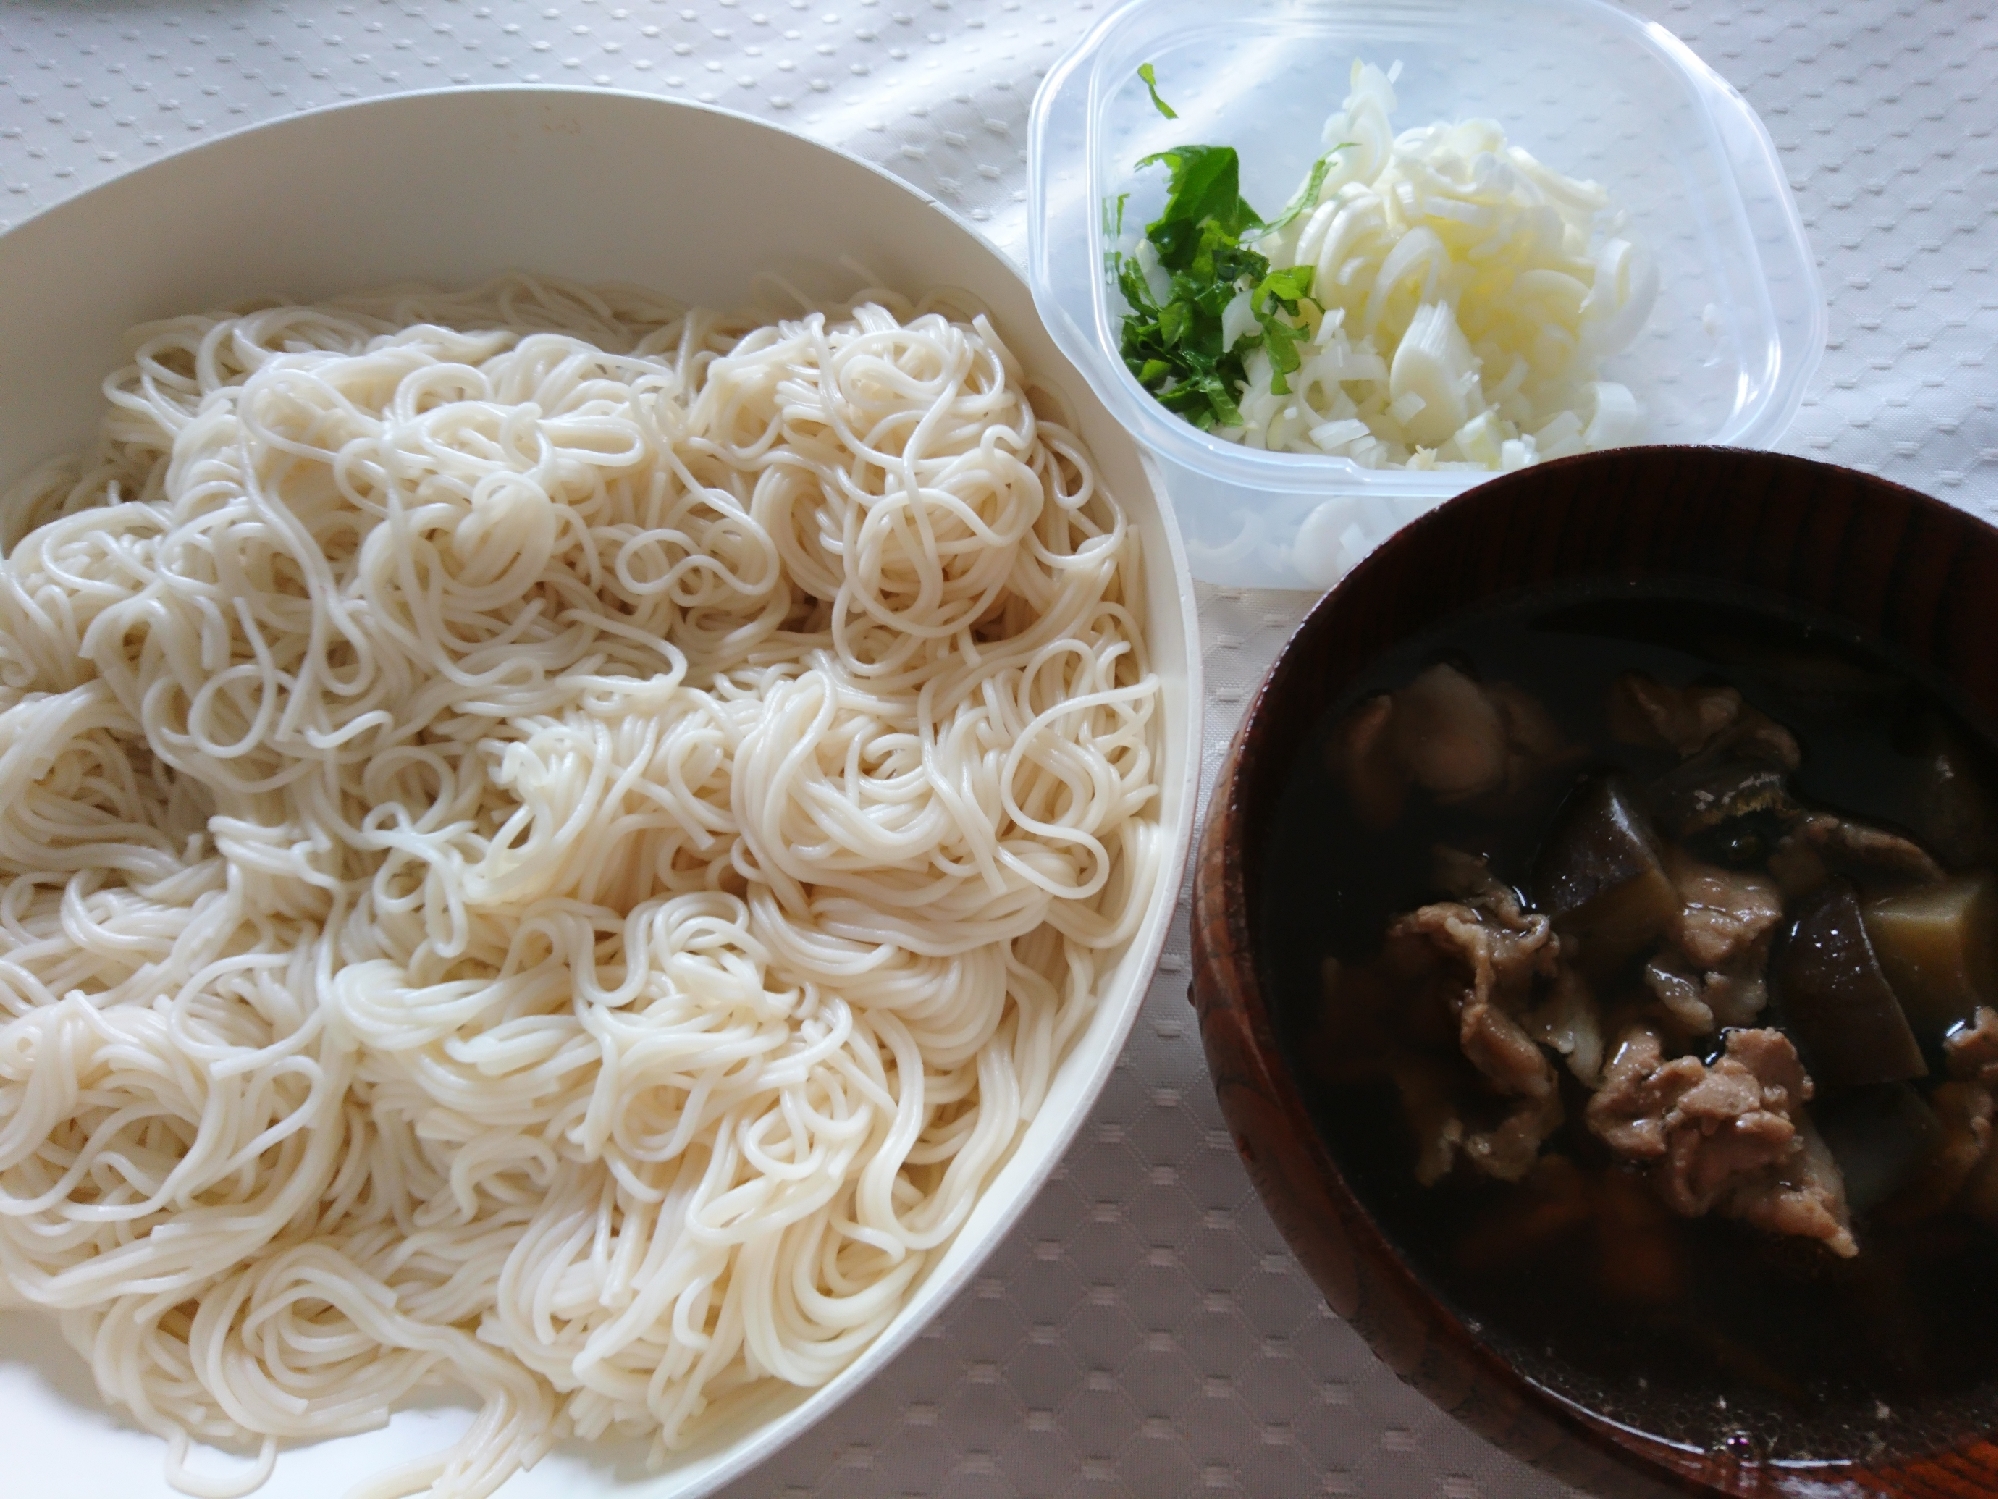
1152,87
1174,345
1306,197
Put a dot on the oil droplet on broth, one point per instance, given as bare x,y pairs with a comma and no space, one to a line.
1739,1449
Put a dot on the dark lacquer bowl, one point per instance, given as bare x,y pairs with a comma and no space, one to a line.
1906,569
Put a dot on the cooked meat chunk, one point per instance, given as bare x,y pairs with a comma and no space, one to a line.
1469,878
1509,1058
1769,1055
1861,851
1431,1100
1630,1110
1724,913
1569,1021
1429,1103
1735,997
1679,992
1700,1003
1533,741
1733,1122
1729,796
1509,1149
1691,719
1805,1199
1823,847
1724,1136
1450,735
1712,972
1362,756
1965,1112
1973,1049
1484,954
1494,951
1446,734
1643,710
1485,966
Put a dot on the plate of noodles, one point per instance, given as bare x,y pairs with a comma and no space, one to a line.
597,737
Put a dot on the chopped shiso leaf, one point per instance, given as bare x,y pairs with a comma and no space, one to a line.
1306,197
1152,87
1178,344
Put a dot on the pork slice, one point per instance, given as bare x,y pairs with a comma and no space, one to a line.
1803,1197
1643,710
1822,846
1771,1057
1735,996
1447,734
1631,1110
1495,966
1362,756
1979,1197
1468,878
1973,1049
1533,741
1732,1123
1450,735
1723,913
1699,1003
1489,953
1569,1021
1681,993
1429,1103
1510,1149
1727,1136
1965,1112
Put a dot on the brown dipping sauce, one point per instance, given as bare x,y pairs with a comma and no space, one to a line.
1703,1330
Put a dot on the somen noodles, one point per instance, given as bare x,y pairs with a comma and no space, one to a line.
549,843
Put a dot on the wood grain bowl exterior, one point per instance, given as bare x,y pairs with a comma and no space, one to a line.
1898,564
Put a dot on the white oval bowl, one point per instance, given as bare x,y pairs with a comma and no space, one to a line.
452,187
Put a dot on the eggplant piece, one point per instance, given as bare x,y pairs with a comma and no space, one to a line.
1729,804
1838,1003
1953,812
1881,1137
1936,946
1600,875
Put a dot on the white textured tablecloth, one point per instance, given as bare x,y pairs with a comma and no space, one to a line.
1144,1330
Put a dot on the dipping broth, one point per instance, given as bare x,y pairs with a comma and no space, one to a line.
1712,1330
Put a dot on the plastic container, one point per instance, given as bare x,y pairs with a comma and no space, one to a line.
1589,89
